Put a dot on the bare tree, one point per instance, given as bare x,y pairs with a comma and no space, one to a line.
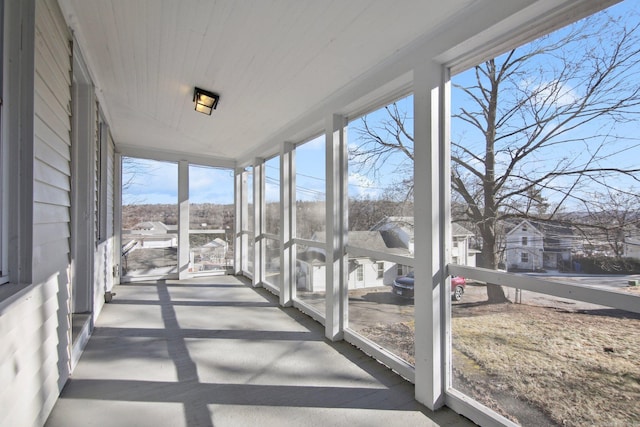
134,173
537,127
609,219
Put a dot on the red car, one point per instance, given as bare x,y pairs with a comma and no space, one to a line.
403,286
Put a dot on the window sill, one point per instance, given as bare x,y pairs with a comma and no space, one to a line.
10,293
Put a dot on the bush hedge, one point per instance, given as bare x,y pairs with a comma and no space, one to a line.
606,265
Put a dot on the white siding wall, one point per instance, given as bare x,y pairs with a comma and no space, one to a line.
52,145
533,247
35,326
370,277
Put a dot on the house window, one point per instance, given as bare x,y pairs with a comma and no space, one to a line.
525,240
360,273
380,270
524,228
524,257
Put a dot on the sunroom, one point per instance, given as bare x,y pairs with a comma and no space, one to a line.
312,153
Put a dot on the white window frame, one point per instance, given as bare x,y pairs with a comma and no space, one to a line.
4,203
525,240
102,164
524,257
4,166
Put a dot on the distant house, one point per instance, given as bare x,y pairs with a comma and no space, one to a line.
153,228
398,232
149,235
461,253
393,235
363,271
367,272
208,257
632,247
532,245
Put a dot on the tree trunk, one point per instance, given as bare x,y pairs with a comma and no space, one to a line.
488,259
495,294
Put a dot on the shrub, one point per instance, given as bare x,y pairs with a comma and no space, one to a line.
608,265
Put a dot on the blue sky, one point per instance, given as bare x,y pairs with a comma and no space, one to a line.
618,149
159,182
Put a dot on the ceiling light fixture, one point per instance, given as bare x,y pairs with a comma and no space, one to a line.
205,101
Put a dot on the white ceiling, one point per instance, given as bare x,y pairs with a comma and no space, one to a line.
271,61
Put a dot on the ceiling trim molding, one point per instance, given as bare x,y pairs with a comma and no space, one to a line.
174,156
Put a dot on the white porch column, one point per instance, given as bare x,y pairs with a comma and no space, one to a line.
258,222
183,219
240,247
336,216
287,224
431,187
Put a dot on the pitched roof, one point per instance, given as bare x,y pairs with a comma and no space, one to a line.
408,222
372,240
458,230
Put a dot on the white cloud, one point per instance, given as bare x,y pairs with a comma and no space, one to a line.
157,182
548,92
362,186
316,143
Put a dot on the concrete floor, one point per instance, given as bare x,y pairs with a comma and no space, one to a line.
214,352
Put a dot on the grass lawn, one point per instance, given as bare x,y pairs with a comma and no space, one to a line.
578,368
571,368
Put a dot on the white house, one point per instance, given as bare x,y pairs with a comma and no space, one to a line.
632,247
524,247
363,272
531,245
461,252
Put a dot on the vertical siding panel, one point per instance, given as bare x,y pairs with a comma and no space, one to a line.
52,110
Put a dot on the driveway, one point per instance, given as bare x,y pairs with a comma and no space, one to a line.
613,281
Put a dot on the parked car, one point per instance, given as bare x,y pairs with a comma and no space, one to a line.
403,286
